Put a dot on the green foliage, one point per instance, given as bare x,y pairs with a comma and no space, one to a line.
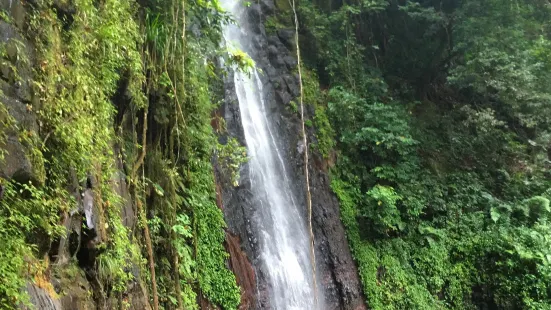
78,119
114,265
26,213
387,276
215,281
6,123
506,64
12,265
442,148
293,106
230,157
380,128
187,227
98,66
382,205
240,60
5,16
325,135
78,68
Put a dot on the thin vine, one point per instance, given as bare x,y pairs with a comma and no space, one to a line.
306,173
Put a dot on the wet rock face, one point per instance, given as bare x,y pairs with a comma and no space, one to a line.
275,56
340,274
243,270
15,94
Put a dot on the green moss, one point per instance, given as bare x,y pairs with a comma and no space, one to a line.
82,63
215,281
273,24
283,5
6,123
313,95
34,155
283,19
293,106
388,280
78,73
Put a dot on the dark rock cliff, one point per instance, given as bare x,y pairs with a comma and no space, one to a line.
274,54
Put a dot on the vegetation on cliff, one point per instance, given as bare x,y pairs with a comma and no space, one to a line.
440,114
436,115
122,93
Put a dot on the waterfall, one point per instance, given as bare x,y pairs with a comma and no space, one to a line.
281,229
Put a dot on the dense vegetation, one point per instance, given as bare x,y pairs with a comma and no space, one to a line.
119,89
440,111
435,114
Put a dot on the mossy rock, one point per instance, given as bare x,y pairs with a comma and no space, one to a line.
18,14
11,50
23,162
42,298
38,173
74,290
283,5
7,71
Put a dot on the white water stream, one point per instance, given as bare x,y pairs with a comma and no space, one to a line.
284,241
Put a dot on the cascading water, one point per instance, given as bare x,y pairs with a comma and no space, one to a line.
284,242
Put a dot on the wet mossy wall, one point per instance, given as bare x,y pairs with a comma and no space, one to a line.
106,176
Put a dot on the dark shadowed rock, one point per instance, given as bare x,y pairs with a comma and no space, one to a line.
17,11
254,14
267,6
292,84
287,37
283,97
74,290
15,95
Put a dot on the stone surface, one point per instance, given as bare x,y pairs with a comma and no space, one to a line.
74,290
243,270
118,181
42,299
337,272
14,95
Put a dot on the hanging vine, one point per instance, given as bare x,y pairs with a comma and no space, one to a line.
306,173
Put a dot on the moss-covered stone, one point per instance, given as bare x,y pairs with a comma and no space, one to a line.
283,5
